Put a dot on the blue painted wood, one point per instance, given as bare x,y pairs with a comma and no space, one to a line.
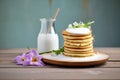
20,25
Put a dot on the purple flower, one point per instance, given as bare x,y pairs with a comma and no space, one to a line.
35,58
23,59
30,58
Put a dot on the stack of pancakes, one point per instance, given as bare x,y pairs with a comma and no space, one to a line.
78,45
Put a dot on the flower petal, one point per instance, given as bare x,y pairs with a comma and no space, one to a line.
18,59
37,63
33,52
27,56
27,60
23,54
39,57
34,63
26,63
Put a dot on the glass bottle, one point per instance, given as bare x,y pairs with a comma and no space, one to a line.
47,38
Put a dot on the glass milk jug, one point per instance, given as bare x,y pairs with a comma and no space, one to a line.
47,38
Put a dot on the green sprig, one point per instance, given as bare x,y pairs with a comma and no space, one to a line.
83,25
54,51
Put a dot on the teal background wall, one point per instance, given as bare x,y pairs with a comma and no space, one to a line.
20,25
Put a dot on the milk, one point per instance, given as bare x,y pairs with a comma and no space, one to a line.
47,42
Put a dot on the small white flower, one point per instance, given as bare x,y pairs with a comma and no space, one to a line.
89,27
81,23
92,21
75,24
70,25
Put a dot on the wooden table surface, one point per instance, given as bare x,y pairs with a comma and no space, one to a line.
10,71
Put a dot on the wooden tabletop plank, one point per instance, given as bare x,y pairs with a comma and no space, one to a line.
10,71
7,59
99,49
12,64
108,49
7,56
113,52
59,73
14,50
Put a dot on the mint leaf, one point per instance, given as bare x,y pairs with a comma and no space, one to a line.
58,51
89,24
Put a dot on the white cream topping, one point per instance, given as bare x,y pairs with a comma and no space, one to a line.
78,30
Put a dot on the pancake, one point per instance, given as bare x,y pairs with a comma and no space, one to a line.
78,55
79,52
86,40
78,49
78,45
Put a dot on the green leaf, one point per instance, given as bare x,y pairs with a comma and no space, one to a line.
58,51
89,23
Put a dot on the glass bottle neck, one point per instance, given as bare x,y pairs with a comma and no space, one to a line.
45,24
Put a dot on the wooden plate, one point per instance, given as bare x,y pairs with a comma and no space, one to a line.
62,60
